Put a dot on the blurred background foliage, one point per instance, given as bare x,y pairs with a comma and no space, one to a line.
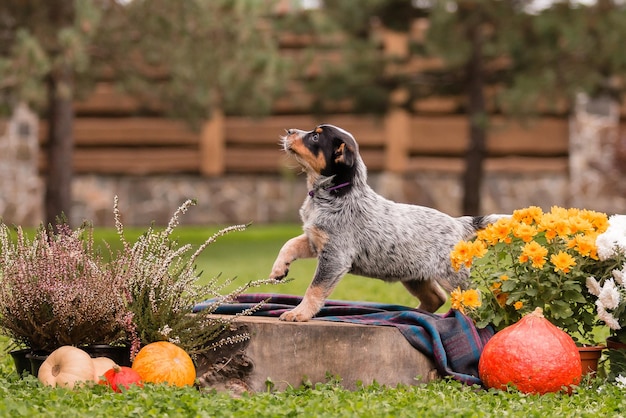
189,58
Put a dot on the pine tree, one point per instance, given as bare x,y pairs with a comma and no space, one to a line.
192,56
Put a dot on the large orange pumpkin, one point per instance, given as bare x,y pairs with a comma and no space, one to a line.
163,361
533,355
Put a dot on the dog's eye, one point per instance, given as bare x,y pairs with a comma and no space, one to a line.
315,137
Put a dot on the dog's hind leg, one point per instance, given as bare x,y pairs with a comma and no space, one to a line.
430,294
295,248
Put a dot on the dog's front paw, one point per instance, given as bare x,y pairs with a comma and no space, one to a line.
279,271
295,315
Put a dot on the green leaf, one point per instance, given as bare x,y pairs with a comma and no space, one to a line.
561,309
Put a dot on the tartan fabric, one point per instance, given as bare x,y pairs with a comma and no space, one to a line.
451,340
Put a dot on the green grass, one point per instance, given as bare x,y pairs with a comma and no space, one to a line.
249,255
28,398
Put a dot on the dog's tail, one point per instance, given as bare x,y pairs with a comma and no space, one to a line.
476,223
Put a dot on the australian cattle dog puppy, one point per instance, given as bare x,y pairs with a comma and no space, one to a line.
352,229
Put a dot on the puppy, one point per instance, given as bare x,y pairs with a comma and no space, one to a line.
351,229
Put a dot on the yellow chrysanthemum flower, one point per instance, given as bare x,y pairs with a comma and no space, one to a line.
580,224
462,254
535,253
525,232
501,229
585,245
479,249
501,298
471,298
456,300
518,305
562,262
599,220
548,224
528,215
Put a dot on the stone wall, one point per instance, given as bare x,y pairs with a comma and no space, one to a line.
597,166
21,189
274,198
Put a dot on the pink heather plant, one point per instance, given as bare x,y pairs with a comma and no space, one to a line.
162,287
55,290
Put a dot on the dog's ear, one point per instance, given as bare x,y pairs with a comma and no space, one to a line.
345,152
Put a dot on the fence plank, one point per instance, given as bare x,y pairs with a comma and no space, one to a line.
369,131
133,131
133,161
543,136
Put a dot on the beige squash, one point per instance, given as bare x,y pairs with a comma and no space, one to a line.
101,365
67,366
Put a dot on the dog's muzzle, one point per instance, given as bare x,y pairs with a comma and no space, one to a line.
288,140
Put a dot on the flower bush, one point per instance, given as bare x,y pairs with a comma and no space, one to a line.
161,288
55,289
534,259
609,286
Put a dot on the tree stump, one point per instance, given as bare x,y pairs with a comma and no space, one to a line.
281,354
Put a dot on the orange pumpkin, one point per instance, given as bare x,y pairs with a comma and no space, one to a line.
533,355
164,362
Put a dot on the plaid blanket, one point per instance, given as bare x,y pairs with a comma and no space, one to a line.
451,340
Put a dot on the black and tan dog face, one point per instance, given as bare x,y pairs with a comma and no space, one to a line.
326,150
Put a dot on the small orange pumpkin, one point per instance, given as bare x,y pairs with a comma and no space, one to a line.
163,361
533,355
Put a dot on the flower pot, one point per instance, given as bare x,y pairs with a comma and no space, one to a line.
589,356
36,360
22,362
612,343
119,354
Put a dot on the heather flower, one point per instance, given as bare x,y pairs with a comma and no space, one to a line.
162,286
55,289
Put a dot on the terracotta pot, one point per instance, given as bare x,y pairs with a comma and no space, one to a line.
589,356
613,344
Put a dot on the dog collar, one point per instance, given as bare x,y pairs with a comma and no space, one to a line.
330,189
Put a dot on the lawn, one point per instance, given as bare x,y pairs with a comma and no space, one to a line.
249,255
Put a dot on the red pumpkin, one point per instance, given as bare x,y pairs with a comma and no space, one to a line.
533,355
163,361
121,376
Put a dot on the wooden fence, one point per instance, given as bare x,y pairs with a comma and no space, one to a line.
397,142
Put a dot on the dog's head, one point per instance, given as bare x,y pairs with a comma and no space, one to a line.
327,150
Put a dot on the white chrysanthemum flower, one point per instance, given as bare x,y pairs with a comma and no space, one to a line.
620,276
606,317
593,286
613,239
621,381
609,295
